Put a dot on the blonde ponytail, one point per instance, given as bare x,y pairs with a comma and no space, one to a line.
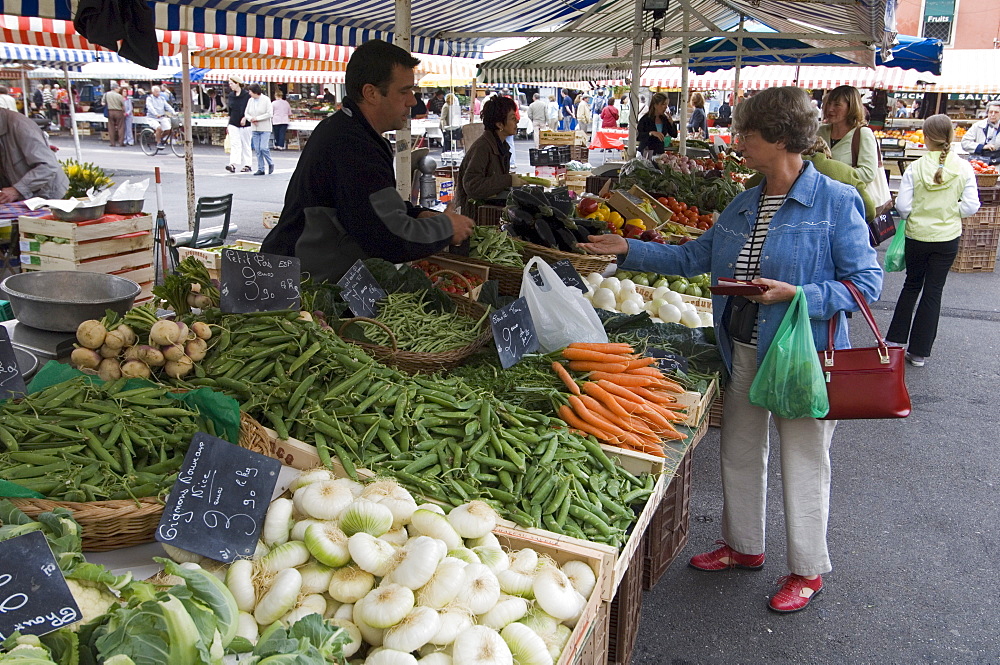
938,134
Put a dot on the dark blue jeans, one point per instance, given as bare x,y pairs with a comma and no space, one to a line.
279,135
927,265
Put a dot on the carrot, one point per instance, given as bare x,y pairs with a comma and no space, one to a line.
580,409
587,366
623,379
652,395
609,347
605,398
620,391
645,371
654,449
640,362
629,424
571,419
593,356
566,378
655,417
668,414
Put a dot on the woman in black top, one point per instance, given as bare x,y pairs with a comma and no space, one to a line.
238,129
655,125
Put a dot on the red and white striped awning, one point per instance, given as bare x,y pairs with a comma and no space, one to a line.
272,76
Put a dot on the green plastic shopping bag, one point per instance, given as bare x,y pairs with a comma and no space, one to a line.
895,256
790,382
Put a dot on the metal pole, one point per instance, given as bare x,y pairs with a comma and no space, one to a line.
739,66
633,96
188,138
685,57
403,166
72,115
25,93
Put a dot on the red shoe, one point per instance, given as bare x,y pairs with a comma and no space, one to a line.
726,557
795,593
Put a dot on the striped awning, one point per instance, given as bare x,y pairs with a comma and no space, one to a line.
270,76
226,59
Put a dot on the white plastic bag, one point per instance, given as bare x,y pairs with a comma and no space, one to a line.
560,313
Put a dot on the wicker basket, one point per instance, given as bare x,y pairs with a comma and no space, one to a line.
112,525
986,179
584,263
427,363
508,279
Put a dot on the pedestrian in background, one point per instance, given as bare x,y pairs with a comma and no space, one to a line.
936,192
568,111
258,115
128,114
451,121
552,112
596,106
583,116
238,130
538,114
698,123
6,101
281,112
609,115
115,104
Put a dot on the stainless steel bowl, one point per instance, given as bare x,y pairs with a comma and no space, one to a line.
60,300
124,207
27,362
83,213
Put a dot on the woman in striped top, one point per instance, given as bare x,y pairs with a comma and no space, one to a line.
798,228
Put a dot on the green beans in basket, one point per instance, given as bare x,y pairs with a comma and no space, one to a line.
416,327
494,245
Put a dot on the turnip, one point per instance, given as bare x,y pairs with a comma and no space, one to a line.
130,353
669,313
109,370
114,340
150,355
172,352
183,332
127,334
108,352
196,349
201,329
177,369
91,334
199,301
135,369
84,358
305,316
164,332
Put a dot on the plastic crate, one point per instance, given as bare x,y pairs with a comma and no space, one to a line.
988,217
975,260
595,650
715,411
668,532
989,196
6,312
595,183
551,156
488,215
625,613
979,238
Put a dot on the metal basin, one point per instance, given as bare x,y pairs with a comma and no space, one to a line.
124,207
79,213
26,362
61,300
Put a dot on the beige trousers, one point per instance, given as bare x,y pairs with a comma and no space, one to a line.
805,473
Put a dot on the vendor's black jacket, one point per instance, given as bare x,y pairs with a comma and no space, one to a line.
237,105
342,205
647,124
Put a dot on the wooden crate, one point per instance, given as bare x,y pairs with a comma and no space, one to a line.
213,260
595,650
271,219
105,264
461,268
550,137
697,404
715,411
108,226
78,252
576,181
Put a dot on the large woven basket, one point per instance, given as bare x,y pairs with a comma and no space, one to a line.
508,279
112,525
428,363
987,179
584,263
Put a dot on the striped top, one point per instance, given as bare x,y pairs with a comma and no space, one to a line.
748,262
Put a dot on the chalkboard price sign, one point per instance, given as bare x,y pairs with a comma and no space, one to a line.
34,598
567,273
668,361
360,291
253,282
513,332
217,506
11,381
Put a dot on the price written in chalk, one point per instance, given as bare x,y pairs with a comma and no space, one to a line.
360,291
513,332
567,273
11,381
34,597
217,505
253,282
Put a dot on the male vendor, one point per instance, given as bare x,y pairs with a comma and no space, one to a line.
983,138
341,204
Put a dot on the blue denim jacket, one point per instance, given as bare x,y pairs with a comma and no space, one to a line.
818,237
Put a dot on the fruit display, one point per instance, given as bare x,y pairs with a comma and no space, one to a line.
543,218
686,215
915,136
666,305
694,286
980,166
710,190
448,282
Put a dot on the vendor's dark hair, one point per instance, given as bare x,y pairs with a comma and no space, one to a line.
372,63
779,114
658,98
254,88
495,111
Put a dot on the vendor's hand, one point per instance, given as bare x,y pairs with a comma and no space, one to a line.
776,292
658,135
428,213
9,195
516,180
609,243
461,227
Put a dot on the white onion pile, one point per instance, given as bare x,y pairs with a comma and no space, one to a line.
666,306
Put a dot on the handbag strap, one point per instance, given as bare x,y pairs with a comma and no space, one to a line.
866,313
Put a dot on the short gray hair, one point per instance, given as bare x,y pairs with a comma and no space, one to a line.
991,104
779,114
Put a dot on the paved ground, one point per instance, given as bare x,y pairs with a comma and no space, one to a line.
914,511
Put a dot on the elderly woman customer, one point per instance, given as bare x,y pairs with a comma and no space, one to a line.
485,169
258,114
798,228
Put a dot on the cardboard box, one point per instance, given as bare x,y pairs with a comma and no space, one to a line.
662,211
213,260
445,188
550,137
628,205
553,173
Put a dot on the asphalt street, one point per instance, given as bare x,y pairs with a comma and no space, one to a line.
914,509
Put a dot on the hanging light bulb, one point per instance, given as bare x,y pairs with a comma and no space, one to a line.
614,51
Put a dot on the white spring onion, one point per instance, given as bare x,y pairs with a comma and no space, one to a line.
239,581
279,598
437,526
555,594
507,610
433,507
371,554
454,621
581,576
540,622
524,561
287,555
328,544
323,500
350,584
417,561
481,591
372,636
557,641
516,584
489,540
315,577
464,554
181,556
393,496
390,657
474,519
397,536
480,645
436,658
493,558
277,522
525,645
299,528
309,477
444,585
310,604
344,611
333,607
260,550
364,516
414,631
246,627
356,642
385,605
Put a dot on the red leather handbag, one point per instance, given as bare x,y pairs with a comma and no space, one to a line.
867,382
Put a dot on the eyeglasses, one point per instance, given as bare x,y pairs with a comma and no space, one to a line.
742,137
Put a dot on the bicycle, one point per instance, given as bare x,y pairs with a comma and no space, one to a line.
173,138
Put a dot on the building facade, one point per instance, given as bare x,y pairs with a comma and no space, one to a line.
960,24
